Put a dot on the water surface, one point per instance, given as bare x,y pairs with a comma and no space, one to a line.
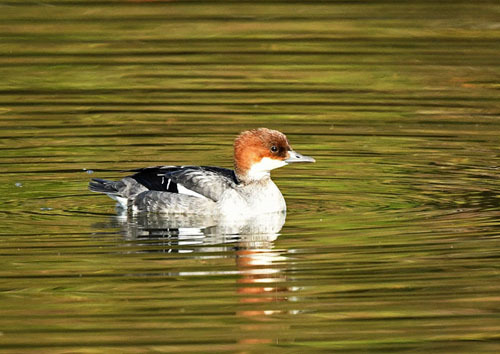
391,240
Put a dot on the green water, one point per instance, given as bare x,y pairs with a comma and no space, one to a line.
392,239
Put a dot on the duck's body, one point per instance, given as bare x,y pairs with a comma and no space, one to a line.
246,191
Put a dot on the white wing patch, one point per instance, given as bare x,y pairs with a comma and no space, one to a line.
183,190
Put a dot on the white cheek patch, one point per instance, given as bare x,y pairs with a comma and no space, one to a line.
183,190
262,168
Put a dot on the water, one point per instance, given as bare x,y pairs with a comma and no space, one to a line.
391,242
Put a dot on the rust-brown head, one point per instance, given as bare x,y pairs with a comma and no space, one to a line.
258,151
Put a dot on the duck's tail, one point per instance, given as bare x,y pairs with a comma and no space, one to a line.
104,186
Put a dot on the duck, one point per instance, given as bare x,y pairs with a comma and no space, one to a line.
247,190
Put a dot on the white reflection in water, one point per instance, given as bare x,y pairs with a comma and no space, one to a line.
264,227
259,265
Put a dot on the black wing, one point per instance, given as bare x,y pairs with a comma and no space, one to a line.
208,181
154,178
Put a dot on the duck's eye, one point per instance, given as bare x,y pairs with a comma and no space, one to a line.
274,148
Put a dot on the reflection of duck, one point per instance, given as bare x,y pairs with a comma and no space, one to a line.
263,227
251,240
248,190
260,268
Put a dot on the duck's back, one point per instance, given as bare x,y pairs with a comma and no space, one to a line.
171,189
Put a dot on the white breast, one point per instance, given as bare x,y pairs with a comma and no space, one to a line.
252,199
